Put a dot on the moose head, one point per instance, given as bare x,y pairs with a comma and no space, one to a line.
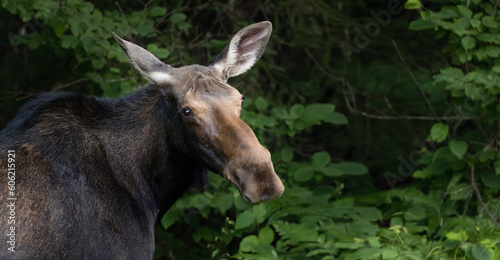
209,111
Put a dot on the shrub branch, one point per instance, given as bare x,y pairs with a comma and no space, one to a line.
478,194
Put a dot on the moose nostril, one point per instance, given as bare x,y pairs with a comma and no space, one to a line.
272,194
265,198
236,177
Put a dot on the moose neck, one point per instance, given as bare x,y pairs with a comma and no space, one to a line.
150,123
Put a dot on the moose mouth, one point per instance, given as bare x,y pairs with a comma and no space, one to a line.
256,186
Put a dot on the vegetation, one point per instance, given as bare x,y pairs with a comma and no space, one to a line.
382,117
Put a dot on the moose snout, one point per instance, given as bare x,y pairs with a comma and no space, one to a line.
260,190
276,192
258,182
250,166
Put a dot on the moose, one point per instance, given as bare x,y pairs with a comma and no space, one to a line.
85,177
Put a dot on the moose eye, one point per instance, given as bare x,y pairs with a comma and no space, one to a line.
186,112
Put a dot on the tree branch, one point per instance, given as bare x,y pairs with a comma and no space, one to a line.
422,92
353,109
478,194
403,117
59,86
495,9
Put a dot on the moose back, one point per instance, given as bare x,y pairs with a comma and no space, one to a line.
88,178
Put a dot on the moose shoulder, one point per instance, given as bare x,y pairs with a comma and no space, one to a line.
89,177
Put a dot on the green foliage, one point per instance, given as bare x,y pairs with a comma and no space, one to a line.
467,152
337,126
439,132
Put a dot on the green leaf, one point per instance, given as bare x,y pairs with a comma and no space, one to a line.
413,5
303,174
296,111
177,17
59,29
475,23
151,47
460,26
445,13
98,63
336,118
145,28
224,202
169,218
239,203
287,154
317,112
214,253
460,191
489,38
421,174
425,15
451,73
249,243
266,235
480,252
85,7
261,104
492,51
320,159
487,155
90,46
454,181
96,16
420,24
490,180
69,41
266,252
443,153
459,236
489,21
331,172
157,11
497,167
161,53
439,132
477,15
415,213
458,148
348,245
244,220
183,26
464,11
279,112
488,51
260,212
389,254
468,42
350,168
374,241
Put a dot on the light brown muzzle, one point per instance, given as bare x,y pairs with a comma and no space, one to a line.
250,167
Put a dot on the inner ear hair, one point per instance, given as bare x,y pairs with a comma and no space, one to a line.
245,48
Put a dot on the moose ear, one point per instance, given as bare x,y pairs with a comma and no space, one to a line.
245,48
146,63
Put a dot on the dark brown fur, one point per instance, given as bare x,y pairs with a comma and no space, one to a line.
90,174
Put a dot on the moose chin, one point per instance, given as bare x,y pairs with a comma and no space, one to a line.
92,176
